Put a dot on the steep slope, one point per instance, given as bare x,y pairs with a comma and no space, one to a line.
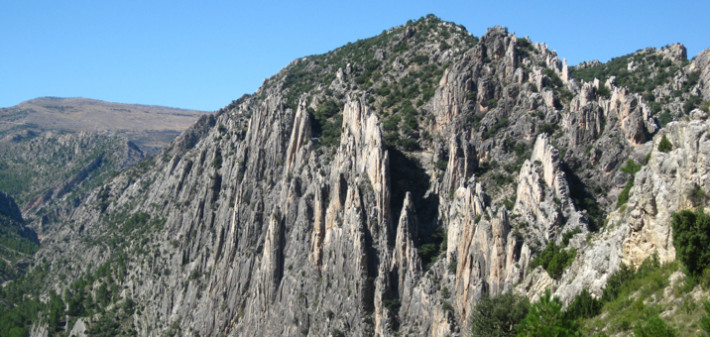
379,189
17,242
46,165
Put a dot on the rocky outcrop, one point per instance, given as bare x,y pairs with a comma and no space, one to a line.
634,118
299,136
641,227
543,201
701,64
663,187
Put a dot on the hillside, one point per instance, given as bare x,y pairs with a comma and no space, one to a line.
57,143
387,188
150,127
17,243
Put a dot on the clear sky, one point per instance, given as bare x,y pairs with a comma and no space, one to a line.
204,54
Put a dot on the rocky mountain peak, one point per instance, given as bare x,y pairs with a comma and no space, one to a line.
676,52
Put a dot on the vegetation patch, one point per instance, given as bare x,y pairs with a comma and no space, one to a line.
554,259
431,247
691,237
395,96
631,168
546,318
633,299
665,145
651,70
498,316
16,243
327,122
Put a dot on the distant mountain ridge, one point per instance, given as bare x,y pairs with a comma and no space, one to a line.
151,127
52,147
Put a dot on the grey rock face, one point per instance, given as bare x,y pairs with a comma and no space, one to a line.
640,228
702,65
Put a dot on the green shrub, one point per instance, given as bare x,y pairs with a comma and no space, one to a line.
583,306
447,307
548,128
705,320
697,196
691,237
442,164
554,259
705,106
217,161
392,305
603,91
137,221
499,124
692,103
452,267
631,167
664,118
327,123
545,318
431,247
498,316
653,327
616,281
492,103
624,195
551,79
665,145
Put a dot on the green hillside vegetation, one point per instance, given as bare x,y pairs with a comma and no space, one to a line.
653,70
641,302
650,71
30,167
16,244
633,303
95,292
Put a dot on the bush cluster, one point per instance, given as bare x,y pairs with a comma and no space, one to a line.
665,145
691,237
554,259
498,316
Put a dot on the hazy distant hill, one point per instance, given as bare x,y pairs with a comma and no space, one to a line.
148,126
50,146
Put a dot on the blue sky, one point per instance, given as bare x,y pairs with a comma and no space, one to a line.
202,55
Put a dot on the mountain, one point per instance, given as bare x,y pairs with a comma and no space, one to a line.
387,188
150,127
49,146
